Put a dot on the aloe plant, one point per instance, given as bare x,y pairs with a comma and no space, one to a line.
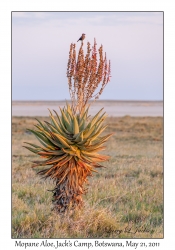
71,141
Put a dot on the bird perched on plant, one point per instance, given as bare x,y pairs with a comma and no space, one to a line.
82,37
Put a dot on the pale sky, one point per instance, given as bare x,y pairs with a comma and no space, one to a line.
133,42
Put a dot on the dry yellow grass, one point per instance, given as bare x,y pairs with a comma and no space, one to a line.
124,200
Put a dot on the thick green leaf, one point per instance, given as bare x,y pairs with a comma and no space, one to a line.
35,151
33,145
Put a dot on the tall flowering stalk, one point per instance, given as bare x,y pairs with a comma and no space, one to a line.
70,142
85,74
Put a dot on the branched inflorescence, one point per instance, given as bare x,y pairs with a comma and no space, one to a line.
85,75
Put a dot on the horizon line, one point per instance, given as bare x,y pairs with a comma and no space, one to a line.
102,100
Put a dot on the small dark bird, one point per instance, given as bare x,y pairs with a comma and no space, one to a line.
82,37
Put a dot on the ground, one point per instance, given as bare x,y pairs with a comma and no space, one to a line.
124,199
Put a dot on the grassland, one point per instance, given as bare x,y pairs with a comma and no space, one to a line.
124,200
